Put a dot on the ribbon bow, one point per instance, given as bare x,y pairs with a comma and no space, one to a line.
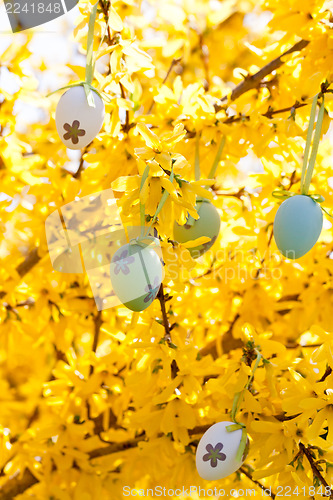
243,441
282,194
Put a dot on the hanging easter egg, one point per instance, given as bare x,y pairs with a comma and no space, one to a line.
78,123
297,226
208,225
136,275
217,450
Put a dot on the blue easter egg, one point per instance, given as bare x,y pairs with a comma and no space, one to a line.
297,226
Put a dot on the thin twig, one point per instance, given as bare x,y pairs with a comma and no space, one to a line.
253,81
126,127
17,485
105,8
264,488
30,261
97,328
205,60
270,113
314,467
173,63
328,372
161,298
79,171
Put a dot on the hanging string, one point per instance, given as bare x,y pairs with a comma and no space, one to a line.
308,167
315,145
197,159
217,159
144,235
90,64
142,205
90,45
162,202
235,406
308,139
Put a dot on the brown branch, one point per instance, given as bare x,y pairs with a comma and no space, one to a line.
30,261
22,269
328,372
97,327
227,342
167,328
264,488
172,65
253,81
126,127
205,60
105,8
305,451
77,174
270,113
161,298
17,485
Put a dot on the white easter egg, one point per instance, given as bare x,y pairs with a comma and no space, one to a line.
78,123
216,452
136,275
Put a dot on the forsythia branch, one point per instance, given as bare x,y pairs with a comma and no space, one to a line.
314,467
264,488
254,80
17,485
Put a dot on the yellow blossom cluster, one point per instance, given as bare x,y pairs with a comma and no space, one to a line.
93,401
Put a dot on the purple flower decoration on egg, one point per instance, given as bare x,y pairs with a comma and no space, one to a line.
214,454
73,131
122,261
152,290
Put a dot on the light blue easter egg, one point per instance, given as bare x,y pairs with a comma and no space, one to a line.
297,226
136,275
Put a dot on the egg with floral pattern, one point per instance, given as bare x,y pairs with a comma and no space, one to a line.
208,225
78,123
136,275
217,450
297,226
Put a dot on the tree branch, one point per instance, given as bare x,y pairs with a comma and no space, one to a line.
97,327
254,81
227,342
30,261
77,174
126,125
264,488
161,298
173,63
17,485
205,60
305,451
